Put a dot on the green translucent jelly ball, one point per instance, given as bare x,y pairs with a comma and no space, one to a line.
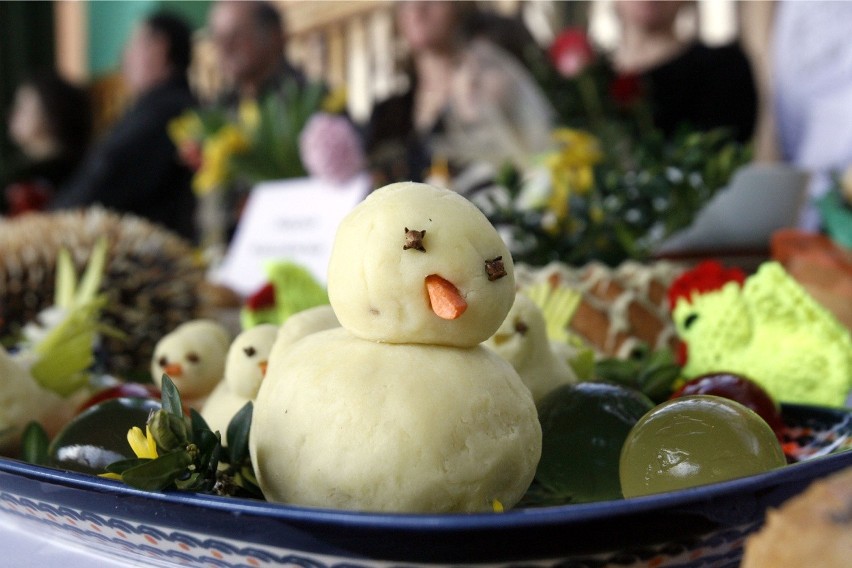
583,428
696,440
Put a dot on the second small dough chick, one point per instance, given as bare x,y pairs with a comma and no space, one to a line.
522,340
245,368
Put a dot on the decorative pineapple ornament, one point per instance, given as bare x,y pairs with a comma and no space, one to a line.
152,278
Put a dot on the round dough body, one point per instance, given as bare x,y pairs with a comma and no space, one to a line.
377,288
344,423
220,407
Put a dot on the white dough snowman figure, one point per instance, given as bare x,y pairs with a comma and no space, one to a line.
401,409
522,340
245,367
193,356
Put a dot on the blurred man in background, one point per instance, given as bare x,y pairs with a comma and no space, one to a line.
249,38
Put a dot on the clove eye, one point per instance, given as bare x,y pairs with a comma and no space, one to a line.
494,269
690,320
162,361
414,239
521,328
249,351
193,357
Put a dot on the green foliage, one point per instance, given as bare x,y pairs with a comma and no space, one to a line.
645,187
34,444
643,192
274,144
190,457
653,373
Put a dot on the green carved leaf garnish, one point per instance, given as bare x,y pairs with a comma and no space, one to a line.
34,444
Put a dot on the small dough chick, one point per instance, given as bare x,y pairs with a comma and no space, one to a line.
245,367
193,356
522,340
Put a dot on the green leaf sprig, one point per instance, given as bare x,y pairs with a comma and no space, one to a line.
653,373
181,452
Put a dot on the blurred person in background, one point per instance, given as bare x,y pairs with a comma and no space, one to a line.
249,38
469,102
811,85
689,83
135,168
51,124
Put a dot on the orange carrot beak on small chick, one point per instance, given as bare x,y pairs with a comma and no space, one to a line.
444,298
173,370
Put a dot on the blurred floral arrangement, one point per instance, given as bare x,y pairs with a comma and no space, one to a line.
263,140
613,186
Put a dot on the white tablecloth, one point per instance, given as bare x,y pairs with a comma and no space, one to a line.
24,547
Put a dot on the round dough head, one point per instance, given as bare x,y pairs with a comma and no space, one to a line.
344,423
402,236
248,355
193,355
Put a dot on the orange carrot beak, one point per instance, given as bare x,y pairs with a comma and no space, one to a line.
263,365
444,298
173,370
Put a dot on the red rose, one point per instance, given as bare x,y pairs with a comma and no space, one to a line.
27,196
571,52
626,89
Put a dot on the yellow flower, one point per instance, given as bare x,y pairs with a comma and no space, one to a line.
185,127
335,101
249,114
577,148
497,506
571,167
143,445
216,155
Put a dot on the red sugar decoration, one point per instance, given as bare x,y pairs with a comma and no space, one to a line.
263,298
708,276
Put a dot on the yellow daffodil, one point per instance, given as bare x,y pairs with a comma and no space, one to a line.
335,101
249,114
217,152
185,127
143,445
577,148
571,167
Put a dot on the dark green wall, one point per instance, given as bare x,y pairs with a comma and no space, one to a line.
111,22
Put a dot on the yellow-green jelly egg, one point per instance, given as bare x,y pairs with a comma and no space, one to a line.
583,427
693,441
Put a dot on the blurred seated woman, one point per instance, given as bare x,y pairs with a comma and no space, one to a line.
689,83
51,124
468,102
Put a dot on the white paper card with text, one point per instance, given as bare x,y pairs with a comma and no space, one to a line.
295,220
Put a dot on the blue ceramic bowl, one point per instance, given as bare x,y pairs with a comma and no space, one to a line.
702,526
